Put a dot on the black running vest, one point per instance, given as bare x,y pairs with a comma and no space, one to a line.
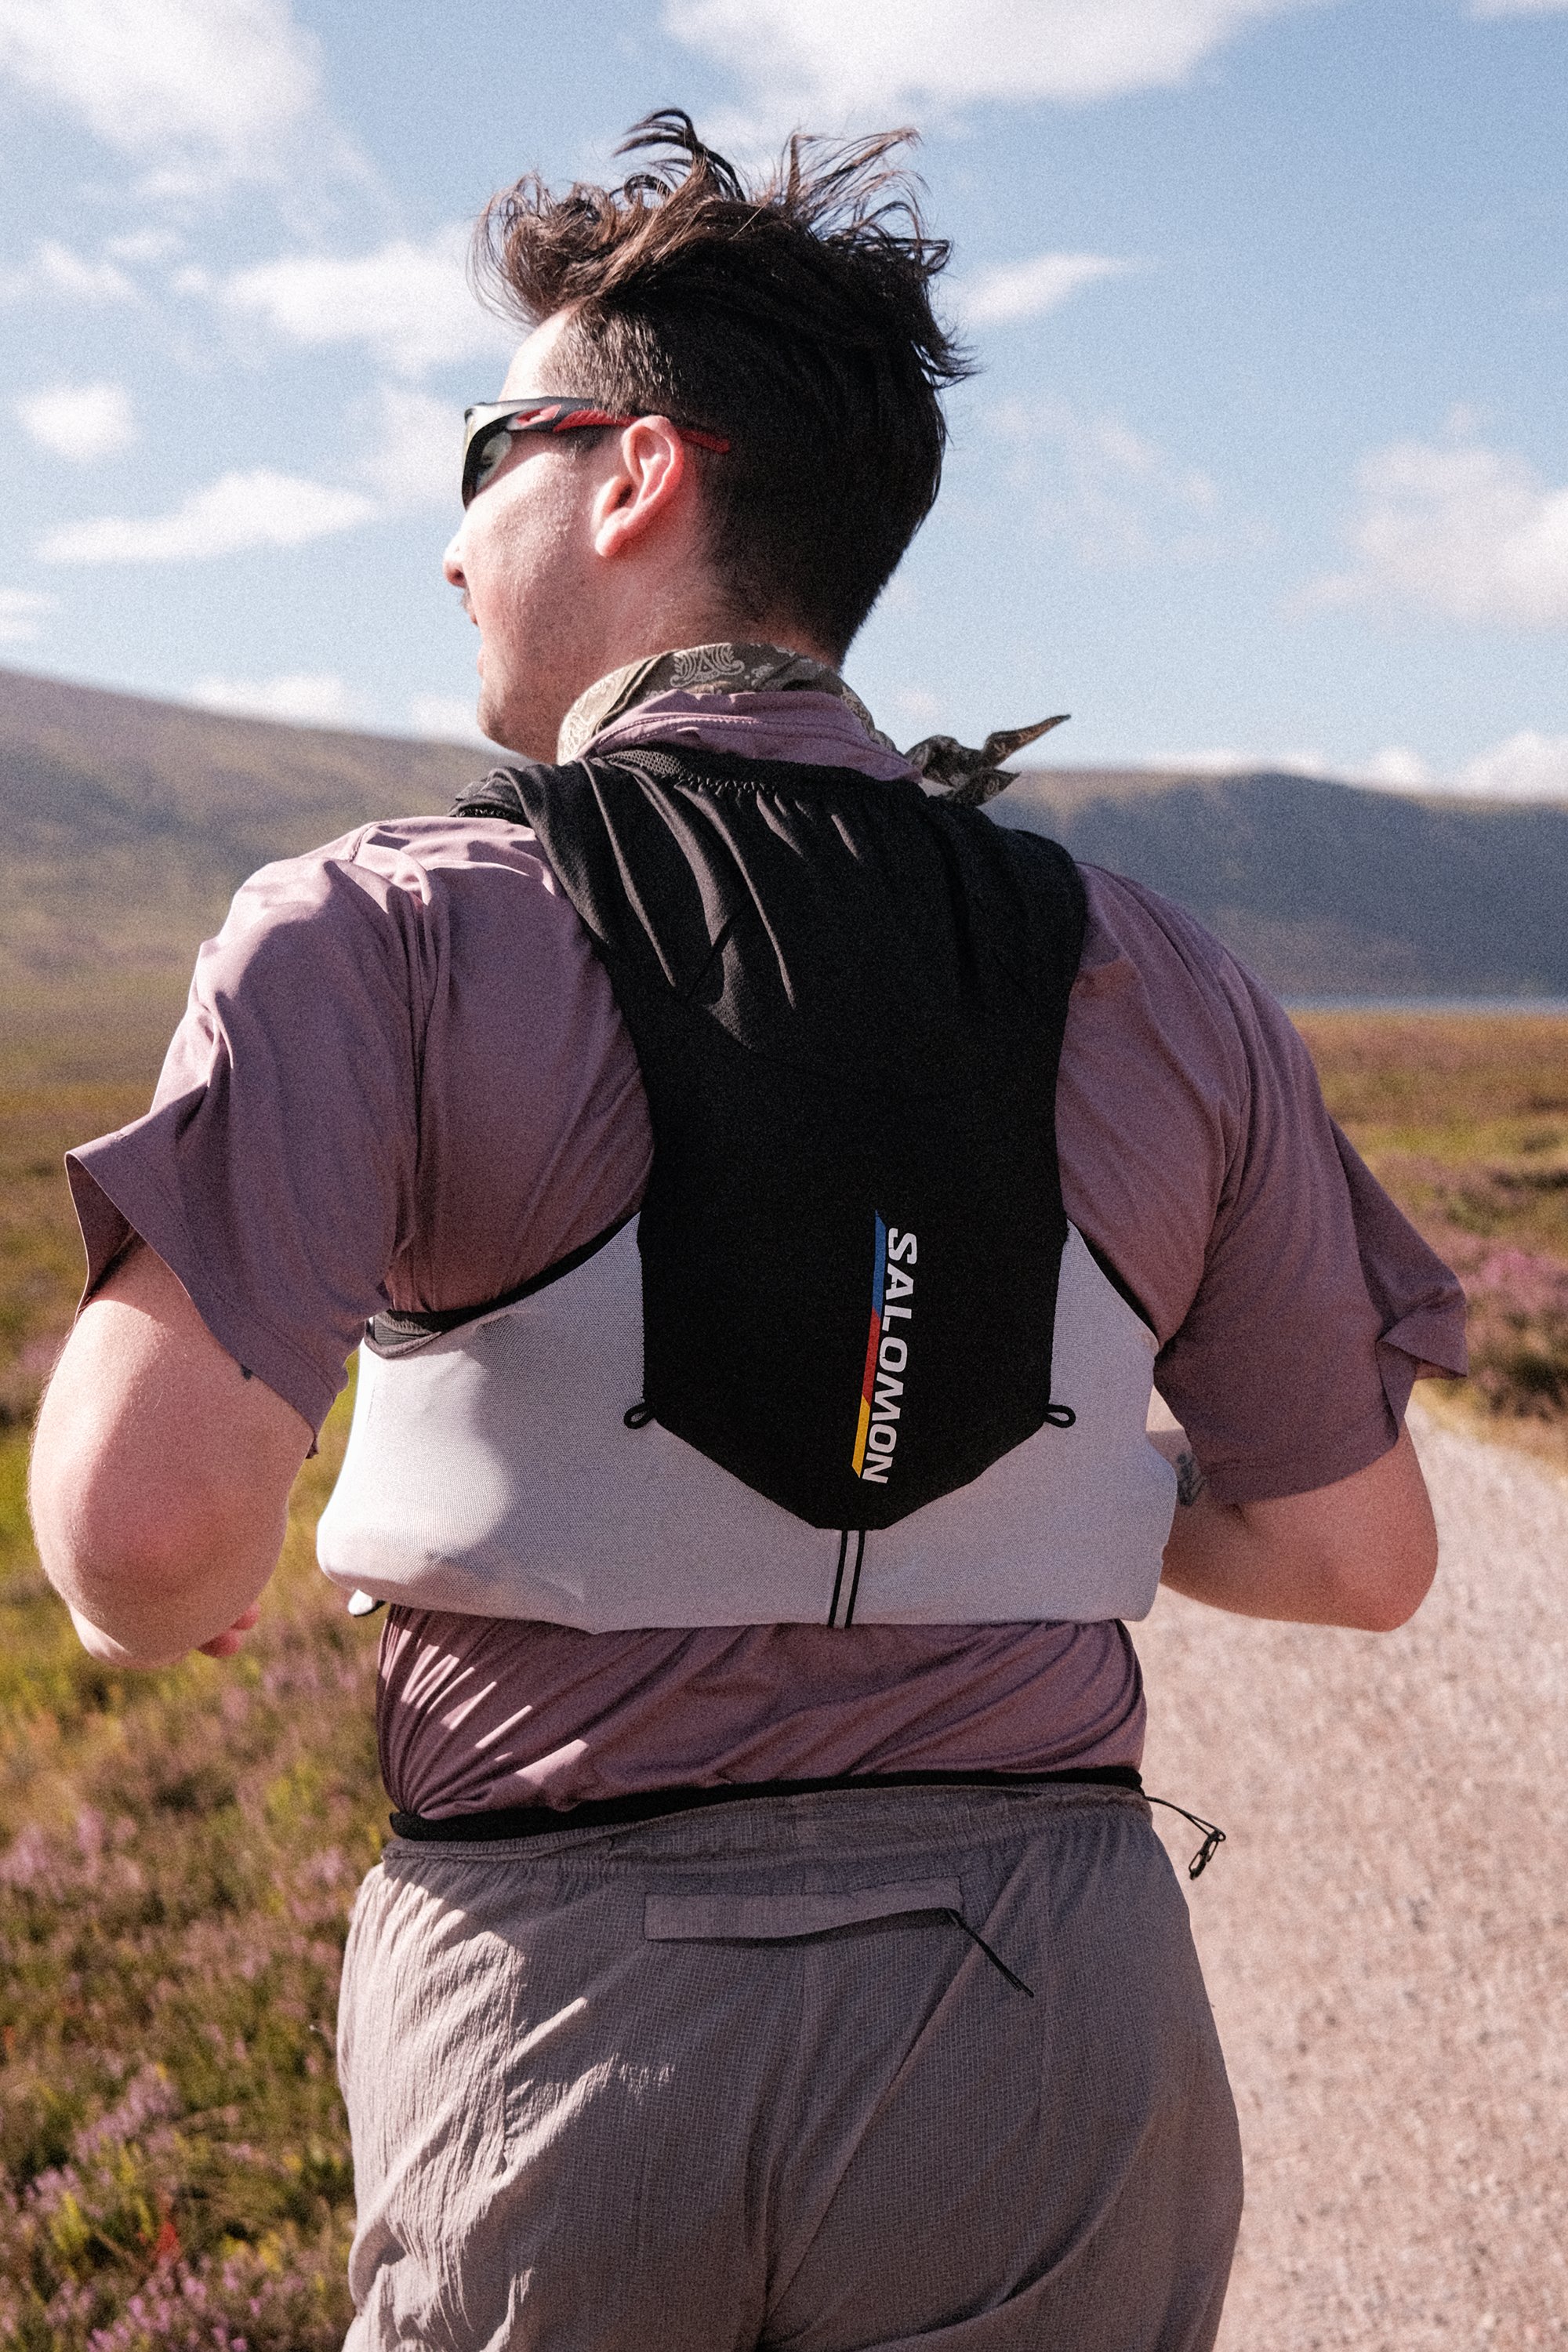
846,1001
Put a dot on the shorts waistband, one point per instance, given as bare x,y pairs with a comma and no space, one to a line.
652,1804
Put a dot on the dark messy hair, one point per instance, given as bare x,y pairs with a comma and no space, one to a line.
793,317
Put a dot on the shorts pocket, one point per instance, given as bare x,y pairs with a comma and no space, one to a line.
762,1919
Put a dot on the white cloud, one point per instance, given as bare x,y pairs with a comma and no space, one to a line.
1221,760
413,447
1526,766
64,272
1402,770
82,421
888,58
56,269
409,449
234,513
918,707
1113,496
144,245
1010,290
1457,529
1523,767
193,86
21,612
317,700
409,302
446,719
1493,775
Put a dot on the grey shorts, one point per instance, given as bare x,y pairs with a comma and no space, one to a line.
736,2078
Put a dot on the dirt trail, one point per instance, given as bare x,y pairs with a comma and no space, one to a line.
1385,1935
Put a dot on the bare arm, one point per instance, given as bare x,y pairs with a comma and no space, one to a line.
161,1475
1361,1552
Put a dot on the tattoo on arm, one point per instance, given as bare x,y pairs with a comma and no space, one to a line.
1190,1479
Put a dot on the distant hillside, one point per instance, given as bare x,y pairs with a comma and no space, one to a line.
1325,889
119,816
125,824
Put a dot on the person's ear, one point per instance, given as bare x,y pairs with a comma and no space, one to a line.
642,489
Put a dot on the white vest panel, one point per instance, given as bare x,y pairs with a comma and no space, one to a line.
490,1472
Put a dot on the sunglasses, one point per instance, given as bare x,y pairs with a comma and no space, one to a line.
489,430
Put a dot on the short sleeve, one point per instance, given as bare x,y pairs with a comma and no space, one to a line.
274,1173
1318,1302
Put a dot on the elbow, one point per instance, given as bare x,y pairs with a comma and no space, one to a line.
123,1600
119,1571
137,1654
1387,1546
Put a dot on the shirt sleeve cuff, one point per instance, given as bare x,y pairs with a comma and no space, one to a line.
115,1206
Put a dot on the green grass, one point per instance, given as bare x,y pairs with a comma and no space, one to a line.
183,1848
40,1251
178,1854
179,1851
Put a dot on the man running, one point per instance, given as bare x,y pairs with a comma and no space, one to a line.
775,1948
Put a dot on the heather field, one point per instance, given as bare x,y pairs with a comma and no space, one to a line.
1465,1119
178,1852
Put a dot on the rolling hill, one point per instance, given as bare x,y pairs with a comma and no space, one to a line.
1329,890
125,824
115,809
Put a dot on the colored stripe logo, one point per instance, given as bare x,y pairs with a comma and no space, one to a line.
878,1284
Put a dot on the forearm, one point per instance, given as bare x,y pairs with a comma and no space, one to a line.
1218,1554
1360,1553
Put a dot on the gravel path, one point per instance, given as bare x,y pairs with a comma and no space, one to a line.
1385,1935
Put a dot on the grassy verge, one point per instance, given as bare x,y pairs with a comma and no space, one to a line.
183,1853
178,1855
1464,1120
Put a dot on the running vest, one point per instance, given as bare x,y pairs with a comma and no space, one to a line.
850,1363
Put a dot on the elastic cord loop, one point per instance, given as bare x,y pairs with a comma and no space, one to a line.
1213,1837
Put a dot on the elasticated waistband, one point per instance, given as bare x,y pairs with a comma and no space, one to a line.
654,1804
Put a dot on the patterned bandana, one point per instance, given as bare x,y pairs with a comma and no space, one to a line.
965,775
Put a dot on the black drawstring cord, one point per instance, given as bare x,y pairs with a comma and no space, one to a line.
1213,1837
995,1957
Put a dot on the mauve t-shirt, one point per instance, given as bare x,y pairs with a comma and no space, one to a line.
401,1079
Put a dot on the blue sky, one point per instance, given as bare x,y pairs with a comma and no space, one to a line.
1268,458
